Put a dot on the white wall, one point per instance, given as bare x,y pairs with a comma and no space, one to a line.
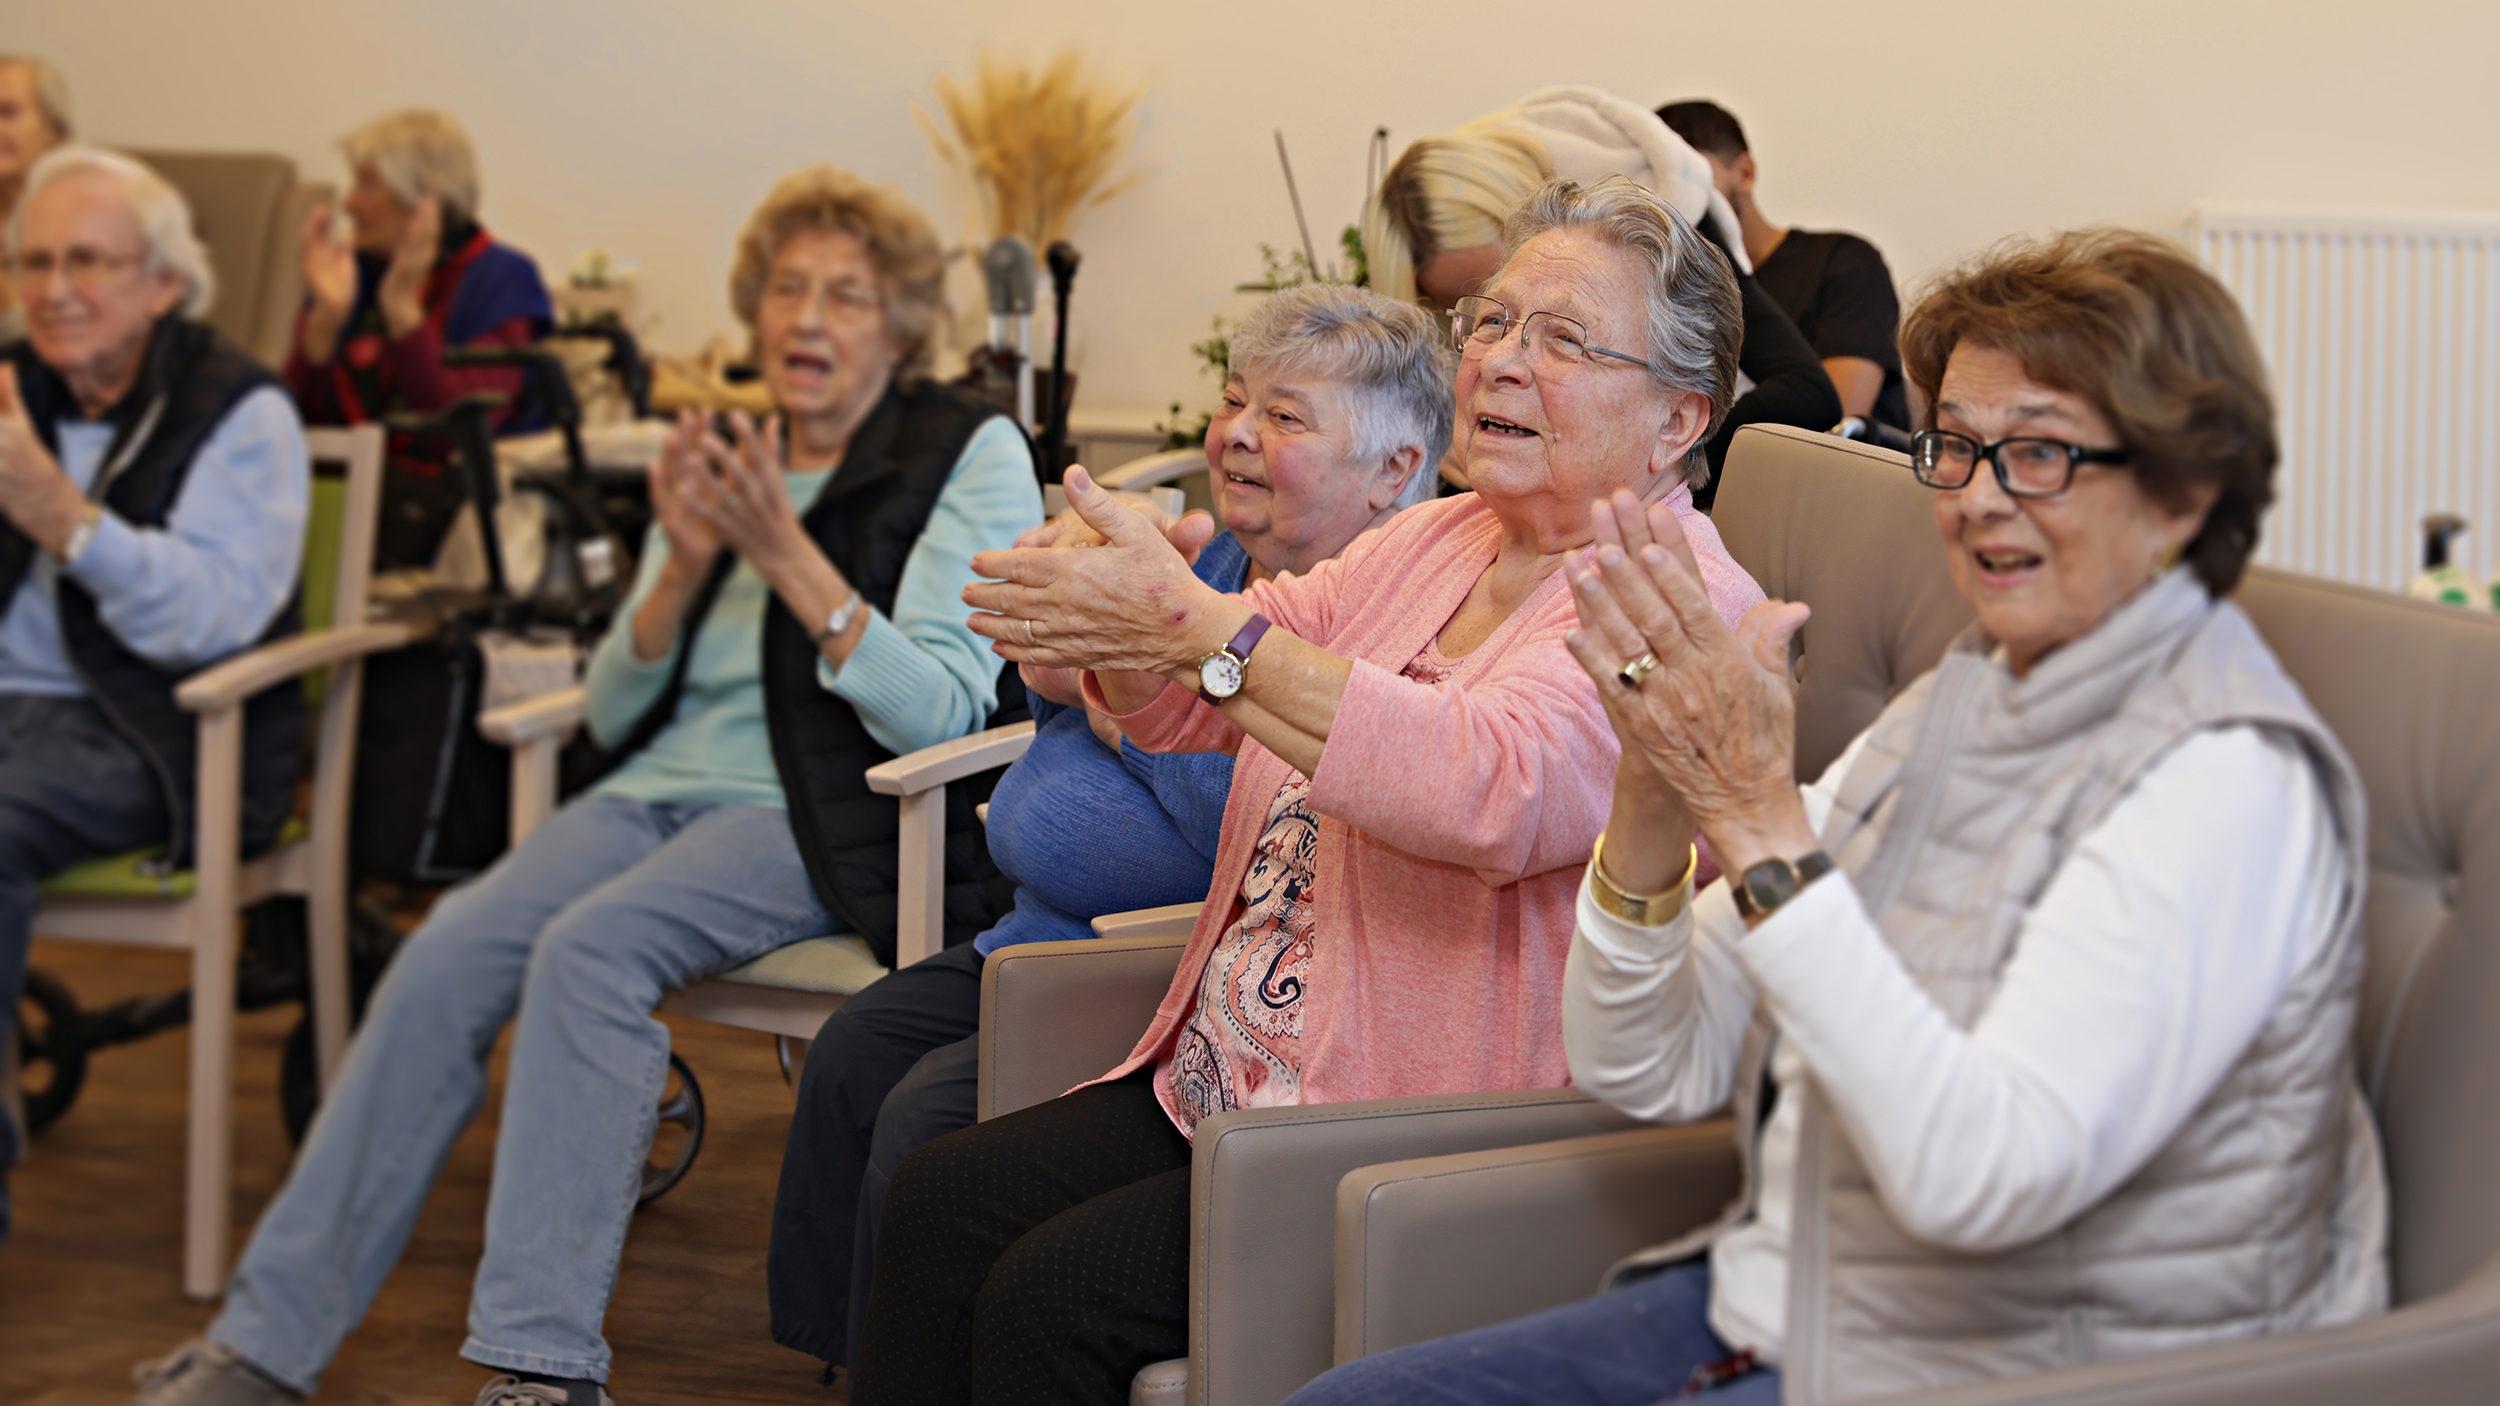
1932,126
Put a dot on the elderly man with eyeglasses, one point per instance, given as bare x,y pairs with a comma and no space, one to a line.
153,490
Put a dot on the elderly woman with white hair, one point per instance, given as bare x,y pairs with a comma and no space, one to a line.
1421,769
1434,231
794,622
418,276
1335,409
34,118
154,487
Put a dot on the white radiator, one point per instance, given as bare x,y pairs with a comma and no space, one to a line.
2382,330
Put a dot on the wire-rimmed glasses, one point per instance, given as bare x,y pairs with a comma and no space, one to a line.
2026,466
1554,342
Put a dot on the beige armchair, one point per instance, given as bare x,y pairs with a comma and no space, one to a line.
1262,1228
248,209
1434,1246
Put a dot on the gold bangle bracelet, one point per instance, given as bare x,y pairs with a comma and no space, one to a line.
1644,910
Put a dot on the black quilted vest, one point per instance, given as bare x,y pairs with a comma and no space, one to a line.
867,521
189,380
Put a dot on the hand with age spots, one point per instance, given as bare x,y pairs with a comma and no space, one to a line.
1130,604
1709,737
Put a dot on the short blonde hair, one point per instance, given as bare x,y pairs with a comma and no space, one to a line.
1449,192
51,90
901,244
417,152
167,243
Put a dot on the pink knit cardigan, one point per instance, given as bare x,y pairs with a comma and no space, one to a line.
1454,820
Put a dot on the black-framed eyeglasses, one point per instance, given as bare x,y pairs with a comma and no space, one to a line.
1554,342
2026,467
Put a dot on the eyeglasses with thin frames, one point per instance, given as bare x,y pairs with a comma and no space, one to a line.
1554,342
2026,466
88,269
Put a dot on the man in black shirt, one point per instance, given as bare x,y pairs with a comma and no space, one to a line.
1832,284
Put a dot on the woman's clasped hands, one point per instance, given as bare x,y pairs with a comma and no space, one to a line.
708,491
1709,728
1116,597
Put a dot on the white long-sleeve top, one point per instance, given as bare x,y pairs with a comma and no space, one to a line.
2152,960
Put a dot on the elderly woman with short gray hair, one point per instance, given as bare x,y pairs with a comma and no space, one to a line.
1421,769
1337,403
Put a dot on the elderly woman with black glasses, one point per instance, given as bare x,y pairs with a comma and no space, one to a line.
1421,770
2052,974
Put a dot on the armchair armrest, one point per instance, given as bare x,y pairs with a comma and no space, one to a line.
549,715
950,761
1438,1245
2441,1349
920,779
235,678
1055,1014
1175,920
1262,1217
536,730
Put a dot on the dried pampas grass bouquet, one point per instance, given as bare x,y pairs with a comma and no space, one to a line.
1040,146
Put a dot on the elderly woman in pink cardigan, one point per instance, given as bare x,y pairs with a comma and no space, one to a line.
1423,768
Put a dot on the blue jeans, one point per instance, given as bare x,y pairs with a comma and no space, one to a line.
71,788
1631,1347
575,936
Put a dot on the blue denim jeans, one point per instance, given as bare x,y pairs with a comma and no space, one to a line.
1633,1346
71,788
574,936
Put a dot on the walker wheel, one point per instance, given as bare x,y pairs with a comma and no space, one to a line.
679,1135
51,1049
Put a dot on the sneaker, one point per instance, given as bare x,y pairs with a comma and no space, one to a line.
206,1373
512,1391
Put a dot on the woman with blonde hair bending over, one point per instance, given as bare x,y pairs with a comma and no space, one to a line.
2053,973
1421,769
794,623
1434,231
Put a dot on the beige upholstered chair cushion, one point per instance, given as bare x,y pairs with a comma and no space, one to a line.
1843,527
248,210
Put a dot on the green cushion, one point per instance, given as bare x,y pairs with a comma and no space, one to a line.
323,527
836,966
127,875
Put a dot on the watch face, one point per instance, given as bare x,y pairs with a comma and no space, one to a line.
1220,675
1770,884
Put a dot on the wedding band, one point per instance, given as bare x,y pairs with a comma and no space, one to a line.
1638,669
1028,634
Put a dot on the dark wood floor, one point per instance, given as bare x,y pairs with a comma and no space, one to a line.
89,1285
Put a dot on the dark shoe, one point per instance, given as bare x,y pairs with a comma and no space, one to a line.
512,1391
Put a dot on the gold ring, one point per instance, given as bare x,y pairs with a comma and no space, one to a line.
1633,672
1028,634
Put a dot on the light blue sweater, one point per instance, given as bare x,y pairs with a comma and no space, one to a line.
917,679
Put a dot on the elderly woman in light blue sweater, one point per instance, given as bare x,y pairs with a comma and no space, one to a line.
795,621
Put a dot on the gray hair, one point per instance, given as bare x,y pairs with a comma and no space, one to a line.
51,90
1696,315
1393,362
168,245
417,152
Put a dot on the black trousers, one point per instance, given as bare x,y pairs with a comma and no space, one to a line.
1039,1257
861,1054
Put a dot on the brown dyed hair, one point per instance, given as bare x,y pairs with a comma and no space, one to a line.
901,244
2131,324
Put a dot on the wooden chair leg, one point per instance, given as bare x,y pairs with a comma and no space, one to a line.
326,905
209,1179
